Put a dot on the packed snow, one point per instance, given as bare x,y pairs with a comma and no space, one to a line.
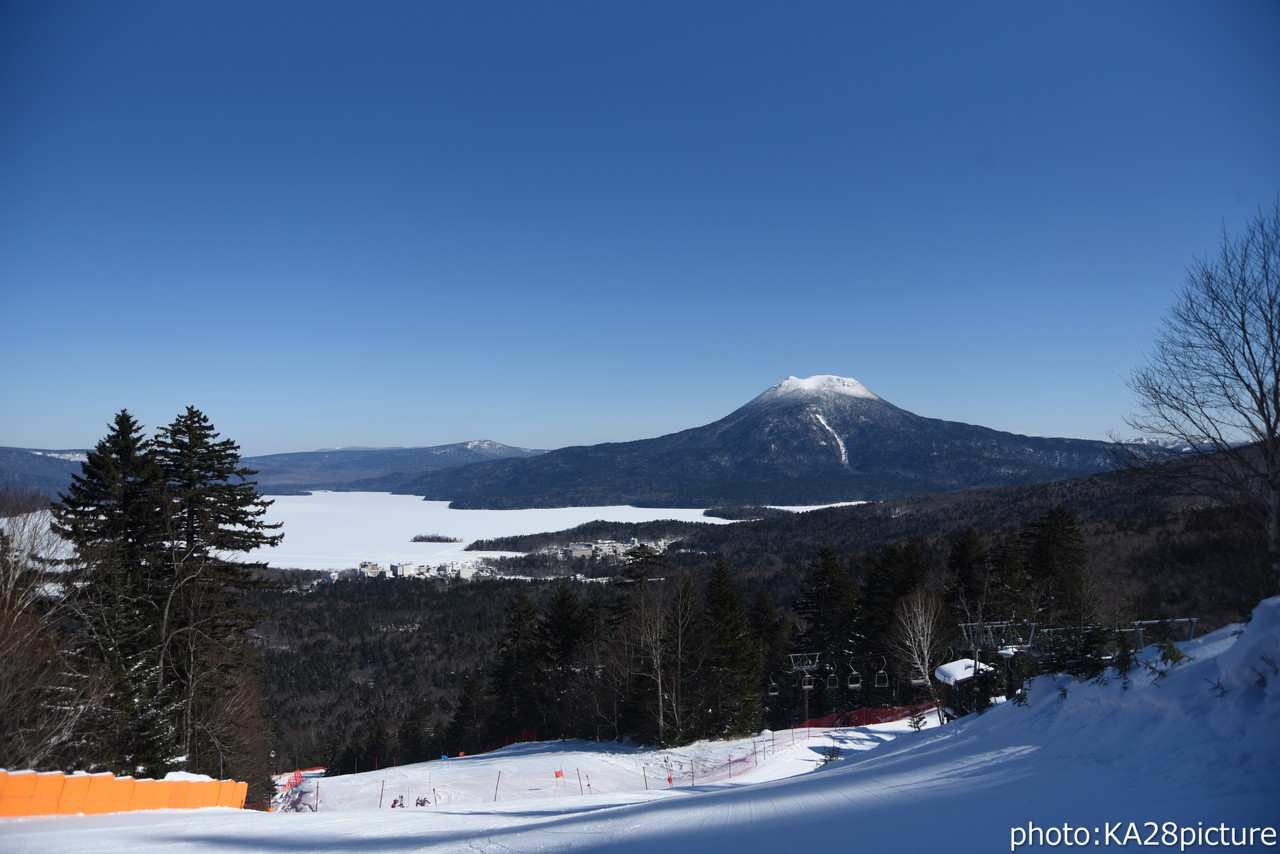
1182,756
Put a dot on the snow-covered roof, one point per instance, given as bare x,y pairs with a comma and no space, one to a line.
958,670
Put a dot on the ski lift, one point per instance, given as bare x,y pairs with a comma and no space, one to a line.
833,681
882,676
773,688
855,681
918,679
806,684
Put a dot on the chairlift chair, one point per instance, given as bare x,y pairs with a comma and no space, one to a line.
855,681
882,679
773,688
833,681
806,684
918,679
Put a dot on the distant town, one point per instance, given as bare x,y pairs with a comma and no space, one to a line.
480,567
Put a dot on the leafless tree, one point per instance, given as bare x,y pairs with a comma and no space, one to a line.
45,694
1212,383
917,637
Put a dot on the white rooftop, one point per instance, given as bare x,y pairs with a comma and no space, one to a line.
958,670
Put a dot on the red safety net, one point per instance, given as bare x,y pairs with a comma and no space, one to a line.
866,717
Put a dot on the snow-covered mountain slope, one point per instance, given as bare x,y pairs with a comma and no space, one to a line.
1179,761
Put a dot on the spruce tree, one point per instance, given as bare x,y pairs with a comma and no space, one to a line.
466,730
733,694
1057,556
1058,559
829,615
770,634
113,515
517,684
639,647
892,573
970,581
156,526
565,632
213,512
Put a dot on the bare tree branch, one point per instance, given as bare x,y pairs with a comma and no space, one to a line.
1212,384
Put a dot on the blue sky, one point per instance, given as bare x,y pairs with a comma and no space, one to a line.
550,223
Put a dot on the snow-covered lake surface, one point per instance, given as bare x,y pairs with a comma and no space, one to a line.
338,530
1185,761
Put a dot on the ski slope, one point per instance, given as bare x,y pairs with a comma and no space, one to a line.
1188,760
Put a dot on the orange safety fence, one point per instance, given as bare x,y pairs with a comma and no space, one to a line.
24,793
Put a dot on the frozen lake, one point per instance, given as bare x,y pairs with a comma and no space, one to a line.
339,530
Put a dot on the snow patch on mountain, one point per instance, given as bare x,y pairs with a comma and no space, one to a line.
823,385
70,456
844,453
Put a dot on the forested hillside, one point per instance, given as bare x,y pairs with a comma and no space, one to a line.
1163,555
364,671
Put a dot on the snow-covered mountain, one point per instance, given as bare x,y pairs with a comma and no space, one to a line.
1179,756
803,441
